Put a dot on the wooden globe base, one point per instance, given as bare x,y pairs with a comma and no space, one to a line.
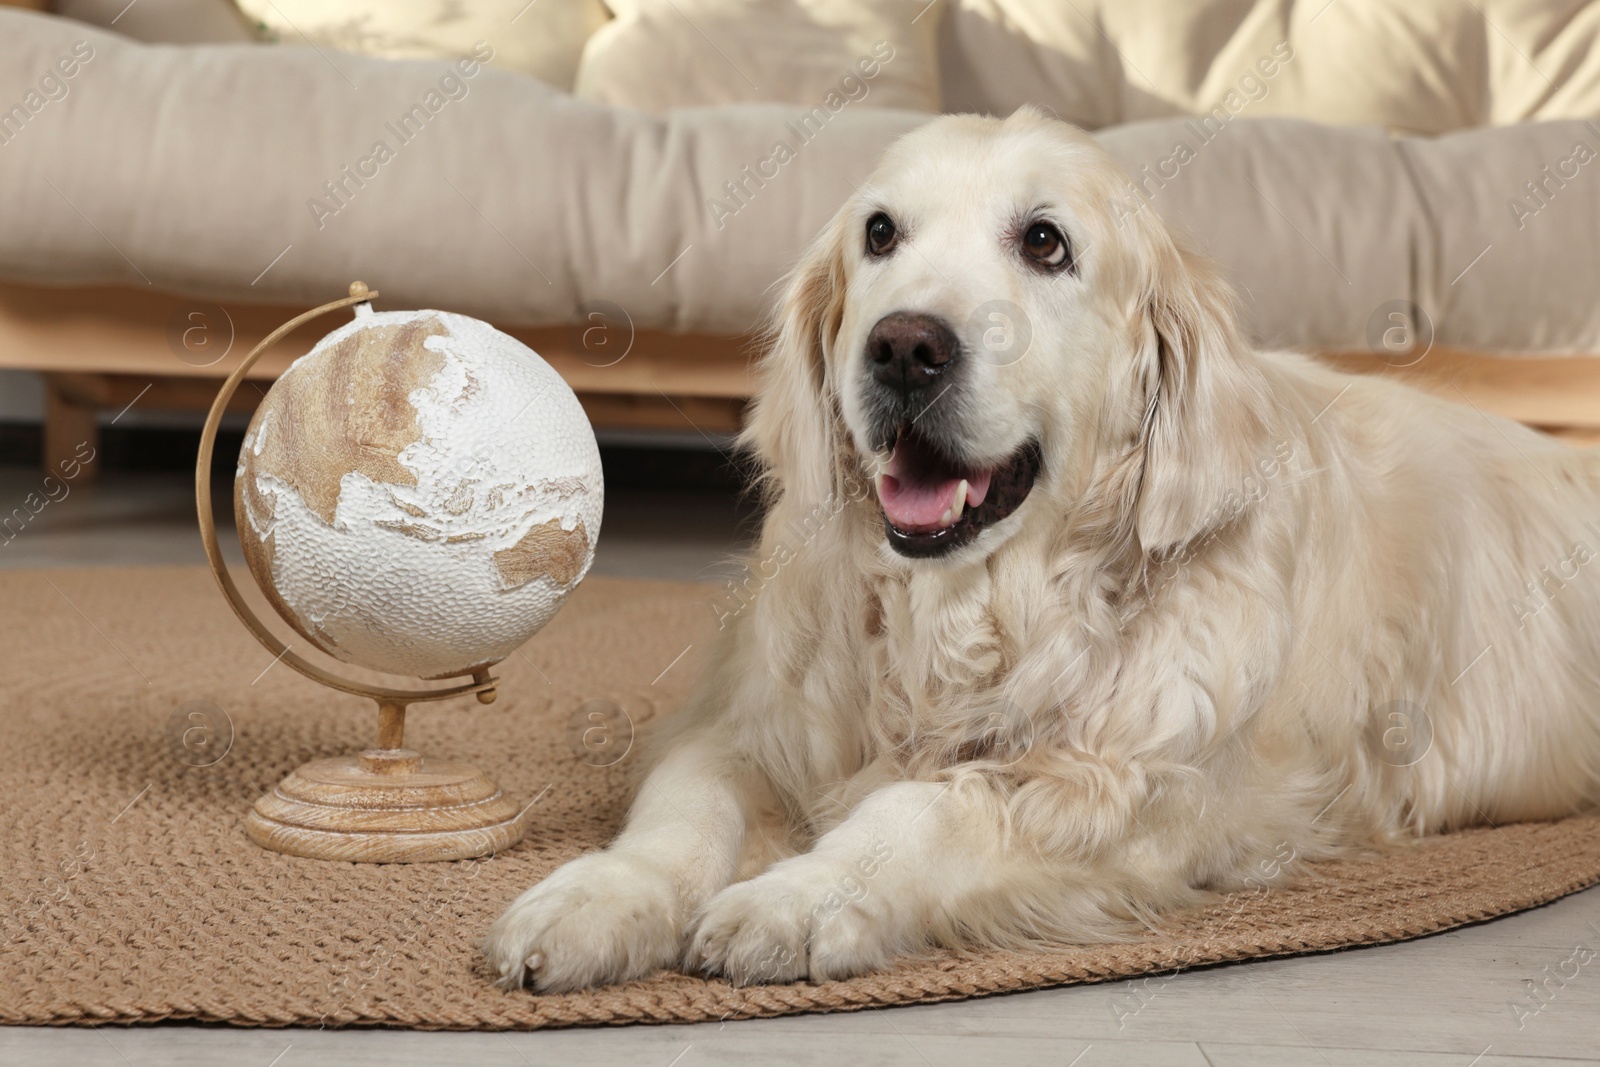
385,806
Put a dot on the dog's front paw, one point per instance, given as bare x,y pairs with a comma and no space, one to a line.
787,925
602,918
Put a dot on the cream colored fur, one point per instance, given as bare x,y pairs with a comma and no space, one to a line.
1170,670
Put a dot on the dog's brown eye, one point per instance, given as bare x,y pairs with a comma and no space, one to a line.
1044,245
881,234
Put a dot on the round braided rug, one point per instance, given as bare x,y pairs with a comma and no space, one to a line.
131,894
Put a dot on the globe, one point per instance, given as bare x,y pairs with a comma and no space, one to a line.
419,493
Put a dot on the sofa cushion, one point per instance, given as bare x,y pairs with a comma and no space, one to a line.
659,55
1411,66
1507,259
543,39
248,173
1275,202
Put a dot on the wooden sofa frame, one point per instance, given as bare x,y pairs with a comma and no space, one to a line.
110,349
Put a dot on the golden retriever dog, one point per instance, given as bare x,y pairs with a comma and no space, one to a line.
1057,634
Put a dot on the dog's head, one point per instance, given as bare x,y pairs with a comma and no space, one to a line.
997,327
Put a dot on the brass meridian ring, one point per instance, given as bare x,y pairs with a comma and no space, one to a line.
483,684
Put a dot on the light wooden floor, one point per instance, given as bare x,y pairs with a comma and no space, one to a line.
1443,1000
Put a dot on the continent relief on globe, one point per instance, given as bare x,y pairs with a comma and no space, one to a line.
350,410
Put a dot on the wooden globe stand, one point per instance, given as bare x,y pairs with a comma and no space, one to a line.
387,804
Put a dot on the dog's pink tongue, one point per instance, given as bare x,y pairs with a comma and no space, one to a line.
916,506
919,504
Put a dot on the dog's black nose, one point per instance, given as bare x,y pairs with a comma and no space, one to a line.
908,351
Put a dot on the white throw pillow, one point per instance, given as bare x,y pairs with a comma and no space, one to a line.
541,38
1422,67
658,55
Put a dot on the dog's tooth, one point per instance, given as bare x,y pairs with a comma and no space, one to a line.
534,961
877,483
958,504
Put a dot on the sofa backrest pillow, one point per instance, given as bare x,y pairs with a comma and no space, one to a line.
660,55
543,39
1422,67
163,21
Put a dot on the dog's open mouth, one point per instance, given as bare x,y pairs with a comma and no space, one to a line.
931,505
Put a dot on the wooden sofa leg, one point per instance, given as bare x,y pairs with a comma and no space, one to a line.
71,435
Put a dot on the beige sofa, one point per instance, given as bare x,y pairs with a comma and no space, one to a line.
1405,187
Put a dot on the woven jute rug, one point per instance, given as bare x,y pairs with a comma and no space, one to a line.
140,722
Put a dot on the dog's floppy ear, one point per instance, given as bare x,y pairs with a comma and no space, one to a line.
794,425
1206,420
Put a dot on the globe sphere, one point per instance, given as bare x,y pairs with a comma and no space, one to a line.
419,493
